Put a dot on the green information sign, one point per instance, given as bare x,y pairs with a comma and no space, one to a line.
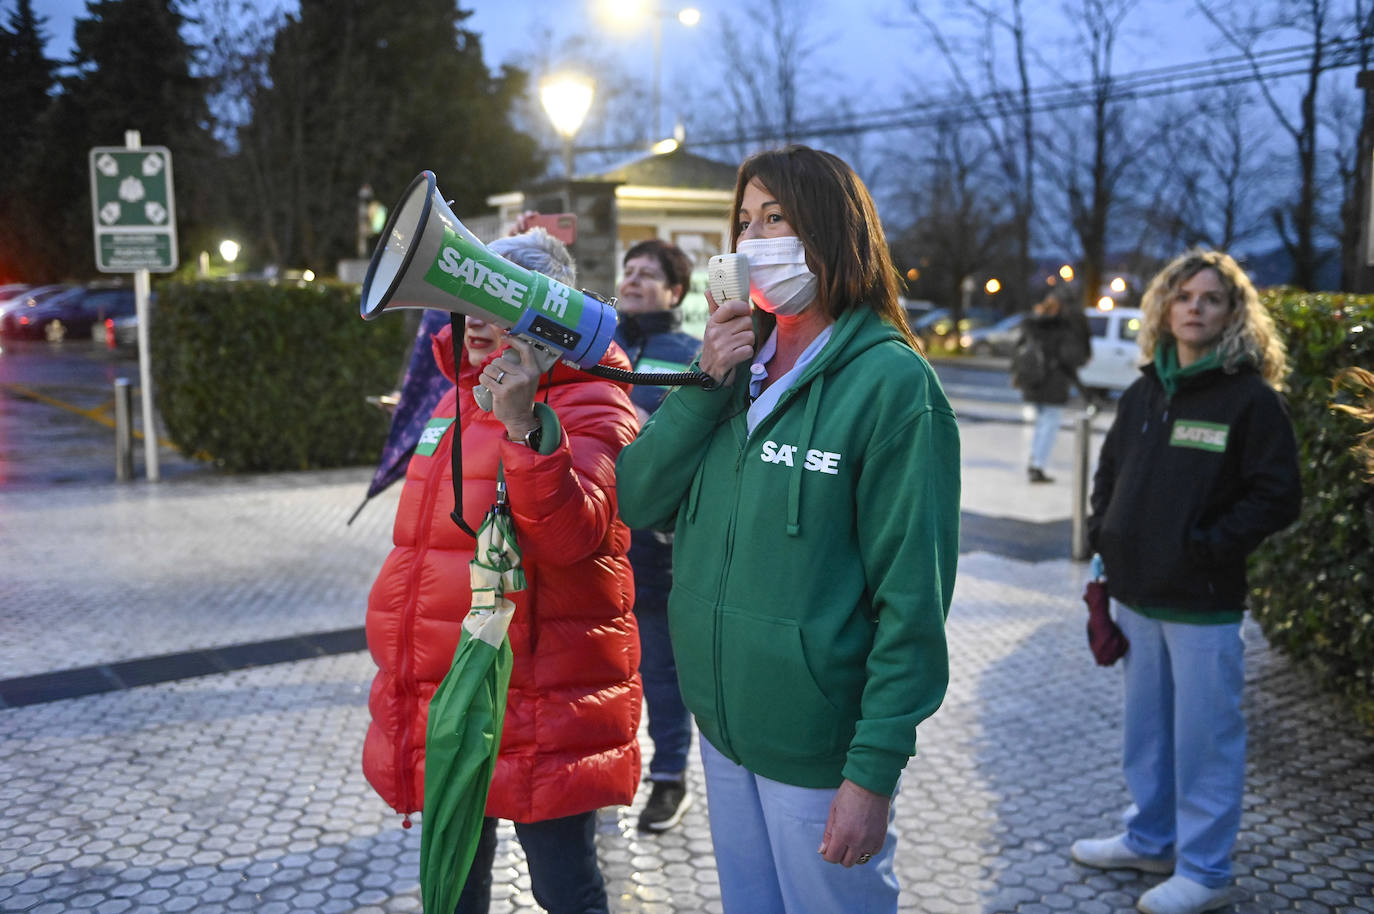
133,209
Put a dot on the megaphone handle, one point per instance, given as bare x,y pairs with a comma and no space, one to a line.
480,392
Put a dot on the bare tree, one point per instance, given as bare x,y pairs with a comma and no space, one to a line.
1207,173
1297,222
1002,108
761,93
1356,274
959,223
1092,182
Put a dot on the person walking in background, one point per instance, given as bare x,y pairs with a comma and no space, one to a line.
815,500
1198,468
1051,348
569,744
657,275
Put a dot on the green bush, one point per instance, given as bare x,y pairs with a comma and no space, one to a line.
1313,584
265,376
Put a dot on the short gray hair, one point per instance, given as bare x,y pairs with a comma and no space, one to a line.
539,251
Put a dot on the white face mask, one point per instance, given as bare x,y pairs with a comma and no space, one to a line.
779,281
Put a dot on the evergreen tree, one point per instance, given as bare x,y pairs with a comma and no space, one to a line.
371,92
27,77
130,70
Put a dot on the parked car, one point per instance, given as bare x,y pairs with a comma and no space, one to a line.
75,312
998,339
1116,354
13,309
938,333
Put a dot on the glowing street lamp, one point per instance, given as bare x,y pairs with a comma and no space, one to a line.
1105,303
1118,284
629,13
992,286
1066,273
229,250
567,99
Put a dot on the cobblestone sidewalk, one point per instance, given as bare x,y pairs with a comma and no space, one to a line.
242,791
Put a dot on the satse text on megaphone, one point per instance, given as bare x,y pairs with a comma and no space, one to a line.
427,258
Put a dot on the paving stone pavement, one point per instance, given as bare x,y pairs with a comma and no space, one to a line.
242,791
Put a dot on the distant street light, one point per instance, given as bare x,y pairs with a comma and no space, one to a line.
913,274
566,100
1066,273
629,14
229,250
992,286
1118,284
1105,303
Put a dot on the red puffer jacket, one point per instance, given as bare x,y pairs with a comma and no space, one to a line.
569,743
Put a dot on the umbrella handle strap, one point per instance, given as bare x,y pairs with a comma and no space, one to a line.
456,451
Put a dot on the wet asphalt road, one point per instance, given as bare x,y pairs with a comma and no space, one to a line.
57,414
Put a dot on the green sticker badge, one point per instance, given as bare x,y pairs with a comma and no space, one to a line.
431,436
1205,436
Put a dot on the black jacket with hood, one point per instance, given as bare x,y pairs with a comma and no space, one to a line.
1187,486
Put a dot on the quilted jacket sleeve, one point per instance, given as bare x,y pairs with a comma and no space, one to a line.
564,503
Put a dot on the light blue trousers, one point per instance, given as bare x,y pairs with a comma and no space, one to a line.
766,836
1184,755
1047,419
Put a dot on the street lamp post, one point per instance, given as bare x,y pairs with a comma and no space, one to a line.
566,100
630,12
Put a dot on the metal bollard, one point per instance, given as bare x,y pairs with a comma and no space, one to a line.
124,430
1082,441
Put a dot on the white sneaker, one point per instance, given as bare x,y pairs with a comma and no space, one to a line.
1181,895
1113,854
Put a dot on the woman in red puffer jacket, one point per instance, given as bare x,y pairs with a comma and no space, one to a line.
569,742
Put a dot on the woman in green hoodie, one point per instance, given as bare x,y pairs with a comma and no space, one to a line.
815,499
1199,466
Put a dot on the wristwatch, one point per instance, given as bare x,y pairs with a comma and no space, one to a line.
532,438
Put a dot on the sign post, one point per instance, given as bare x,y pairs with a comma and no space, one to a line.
133,211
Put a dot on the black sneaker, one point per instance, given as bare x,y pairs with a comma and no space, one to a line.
1038,475
667,802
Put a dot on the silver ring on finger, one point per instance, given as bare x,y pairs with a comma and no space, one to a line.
863,858
500,376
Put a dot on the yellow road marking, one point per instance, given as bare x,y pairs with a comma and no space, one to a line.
95,415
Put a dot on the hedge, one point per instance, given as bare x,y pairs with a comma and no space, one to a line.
262,376
1312,586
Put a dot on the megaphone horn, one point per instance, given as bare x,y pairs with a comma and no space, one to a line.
427,258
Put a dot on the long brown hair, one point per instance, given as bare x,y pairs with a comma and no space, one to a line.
833,214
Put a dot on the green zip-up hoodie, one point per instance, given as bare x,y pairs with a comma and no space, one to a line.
814,559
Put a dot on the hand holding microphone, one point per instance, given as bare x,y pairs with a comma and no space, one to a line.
728,338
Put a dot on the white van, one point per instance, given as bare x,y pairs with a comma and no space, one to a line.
1116,356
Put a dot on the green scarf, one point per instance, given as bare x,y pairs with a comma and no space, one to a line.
1166,366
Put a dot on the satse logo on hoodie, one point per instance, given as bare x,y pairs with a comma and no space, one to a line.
817,461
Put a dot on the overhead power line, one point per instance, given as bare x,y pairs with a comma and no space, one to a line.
1219,72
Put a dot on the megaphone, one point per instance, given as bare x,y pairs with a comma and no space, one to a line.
427,258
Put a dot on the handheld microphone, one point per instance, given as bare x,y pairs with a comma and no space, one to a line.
727,275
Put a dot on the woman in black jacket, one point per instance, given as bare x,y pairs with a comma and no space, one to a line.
1054,343
1200,465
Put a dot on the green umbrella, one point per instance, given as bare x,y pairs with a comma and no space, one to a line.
465,716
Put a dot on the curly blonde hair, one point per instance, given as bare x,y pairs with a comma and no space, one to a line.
1361,385
1250,334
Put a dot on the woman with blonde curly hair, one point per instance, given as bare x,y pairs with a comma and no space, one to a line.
1199,467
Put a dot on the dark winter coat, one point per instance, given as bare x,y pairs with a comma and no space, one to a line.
654,342
1187,486
1064,343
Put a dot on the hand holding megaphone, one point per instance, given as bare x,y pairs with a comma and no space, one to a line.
509,385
